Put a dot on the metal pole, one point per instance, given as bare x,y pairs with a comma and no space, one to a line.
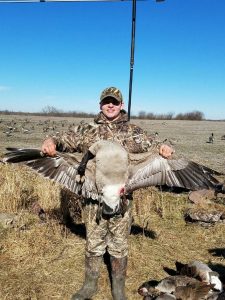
132,54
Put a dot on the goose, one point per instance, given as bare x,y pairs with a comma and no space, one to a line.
8,133
177,287
211,138
198,269
193,281
25,130
196,291
110,171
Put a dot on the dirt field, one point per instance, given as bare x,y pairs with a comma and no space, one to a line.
44,259
189,138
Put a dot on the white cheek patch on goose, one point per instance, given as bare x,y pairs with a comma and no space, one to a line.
215,280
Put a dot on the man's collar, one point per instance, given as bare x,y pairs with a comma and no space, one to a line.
101,118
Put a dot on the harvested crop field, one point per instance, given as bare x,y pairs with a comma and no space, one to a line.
43,258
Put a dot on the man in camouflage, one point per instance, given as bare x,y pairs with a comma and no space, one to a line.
107,232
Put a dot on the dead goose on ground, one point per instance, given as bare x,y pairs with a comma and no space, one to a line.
176,287
171,283
202,271
196,291
193,281
110,171
164,296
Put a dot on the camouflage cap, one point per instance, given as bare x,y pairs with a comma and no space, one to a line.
111,92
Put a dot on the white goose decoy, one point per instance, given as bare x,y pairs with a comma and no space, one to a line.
111,171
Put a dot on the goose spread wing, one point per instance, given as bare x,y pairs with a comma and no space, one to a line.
144,170
61,168
171,172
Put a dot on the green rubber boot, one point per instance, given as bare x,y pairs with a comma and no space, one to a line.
119,268
90,286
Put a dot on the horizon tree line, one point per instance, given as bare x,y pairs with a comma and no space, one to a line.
53,111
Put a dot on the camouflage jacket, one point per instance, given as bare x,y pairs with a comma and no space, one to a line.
81,137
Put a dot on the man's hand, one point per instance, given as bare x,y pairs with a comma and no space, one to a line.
166,151
49,147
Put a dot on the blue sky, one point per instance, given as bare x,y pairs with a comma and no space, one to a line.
64,54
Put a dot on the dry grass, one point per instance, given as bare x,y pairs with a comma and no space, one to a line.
45,260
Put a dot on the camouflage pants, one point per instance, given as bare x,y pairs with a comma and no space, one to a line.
111,233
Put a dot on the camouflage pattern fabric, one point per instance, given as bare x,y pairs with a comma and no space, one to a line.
111,92
130,136
111,234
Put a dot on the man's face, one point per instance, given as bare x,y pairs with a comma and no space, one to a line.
110,107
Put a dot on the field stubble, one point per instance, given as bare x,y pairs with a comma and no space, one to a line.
45,259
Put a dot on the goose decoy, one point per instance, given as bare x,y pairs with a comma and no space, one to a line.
110,171
211,138
25,130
